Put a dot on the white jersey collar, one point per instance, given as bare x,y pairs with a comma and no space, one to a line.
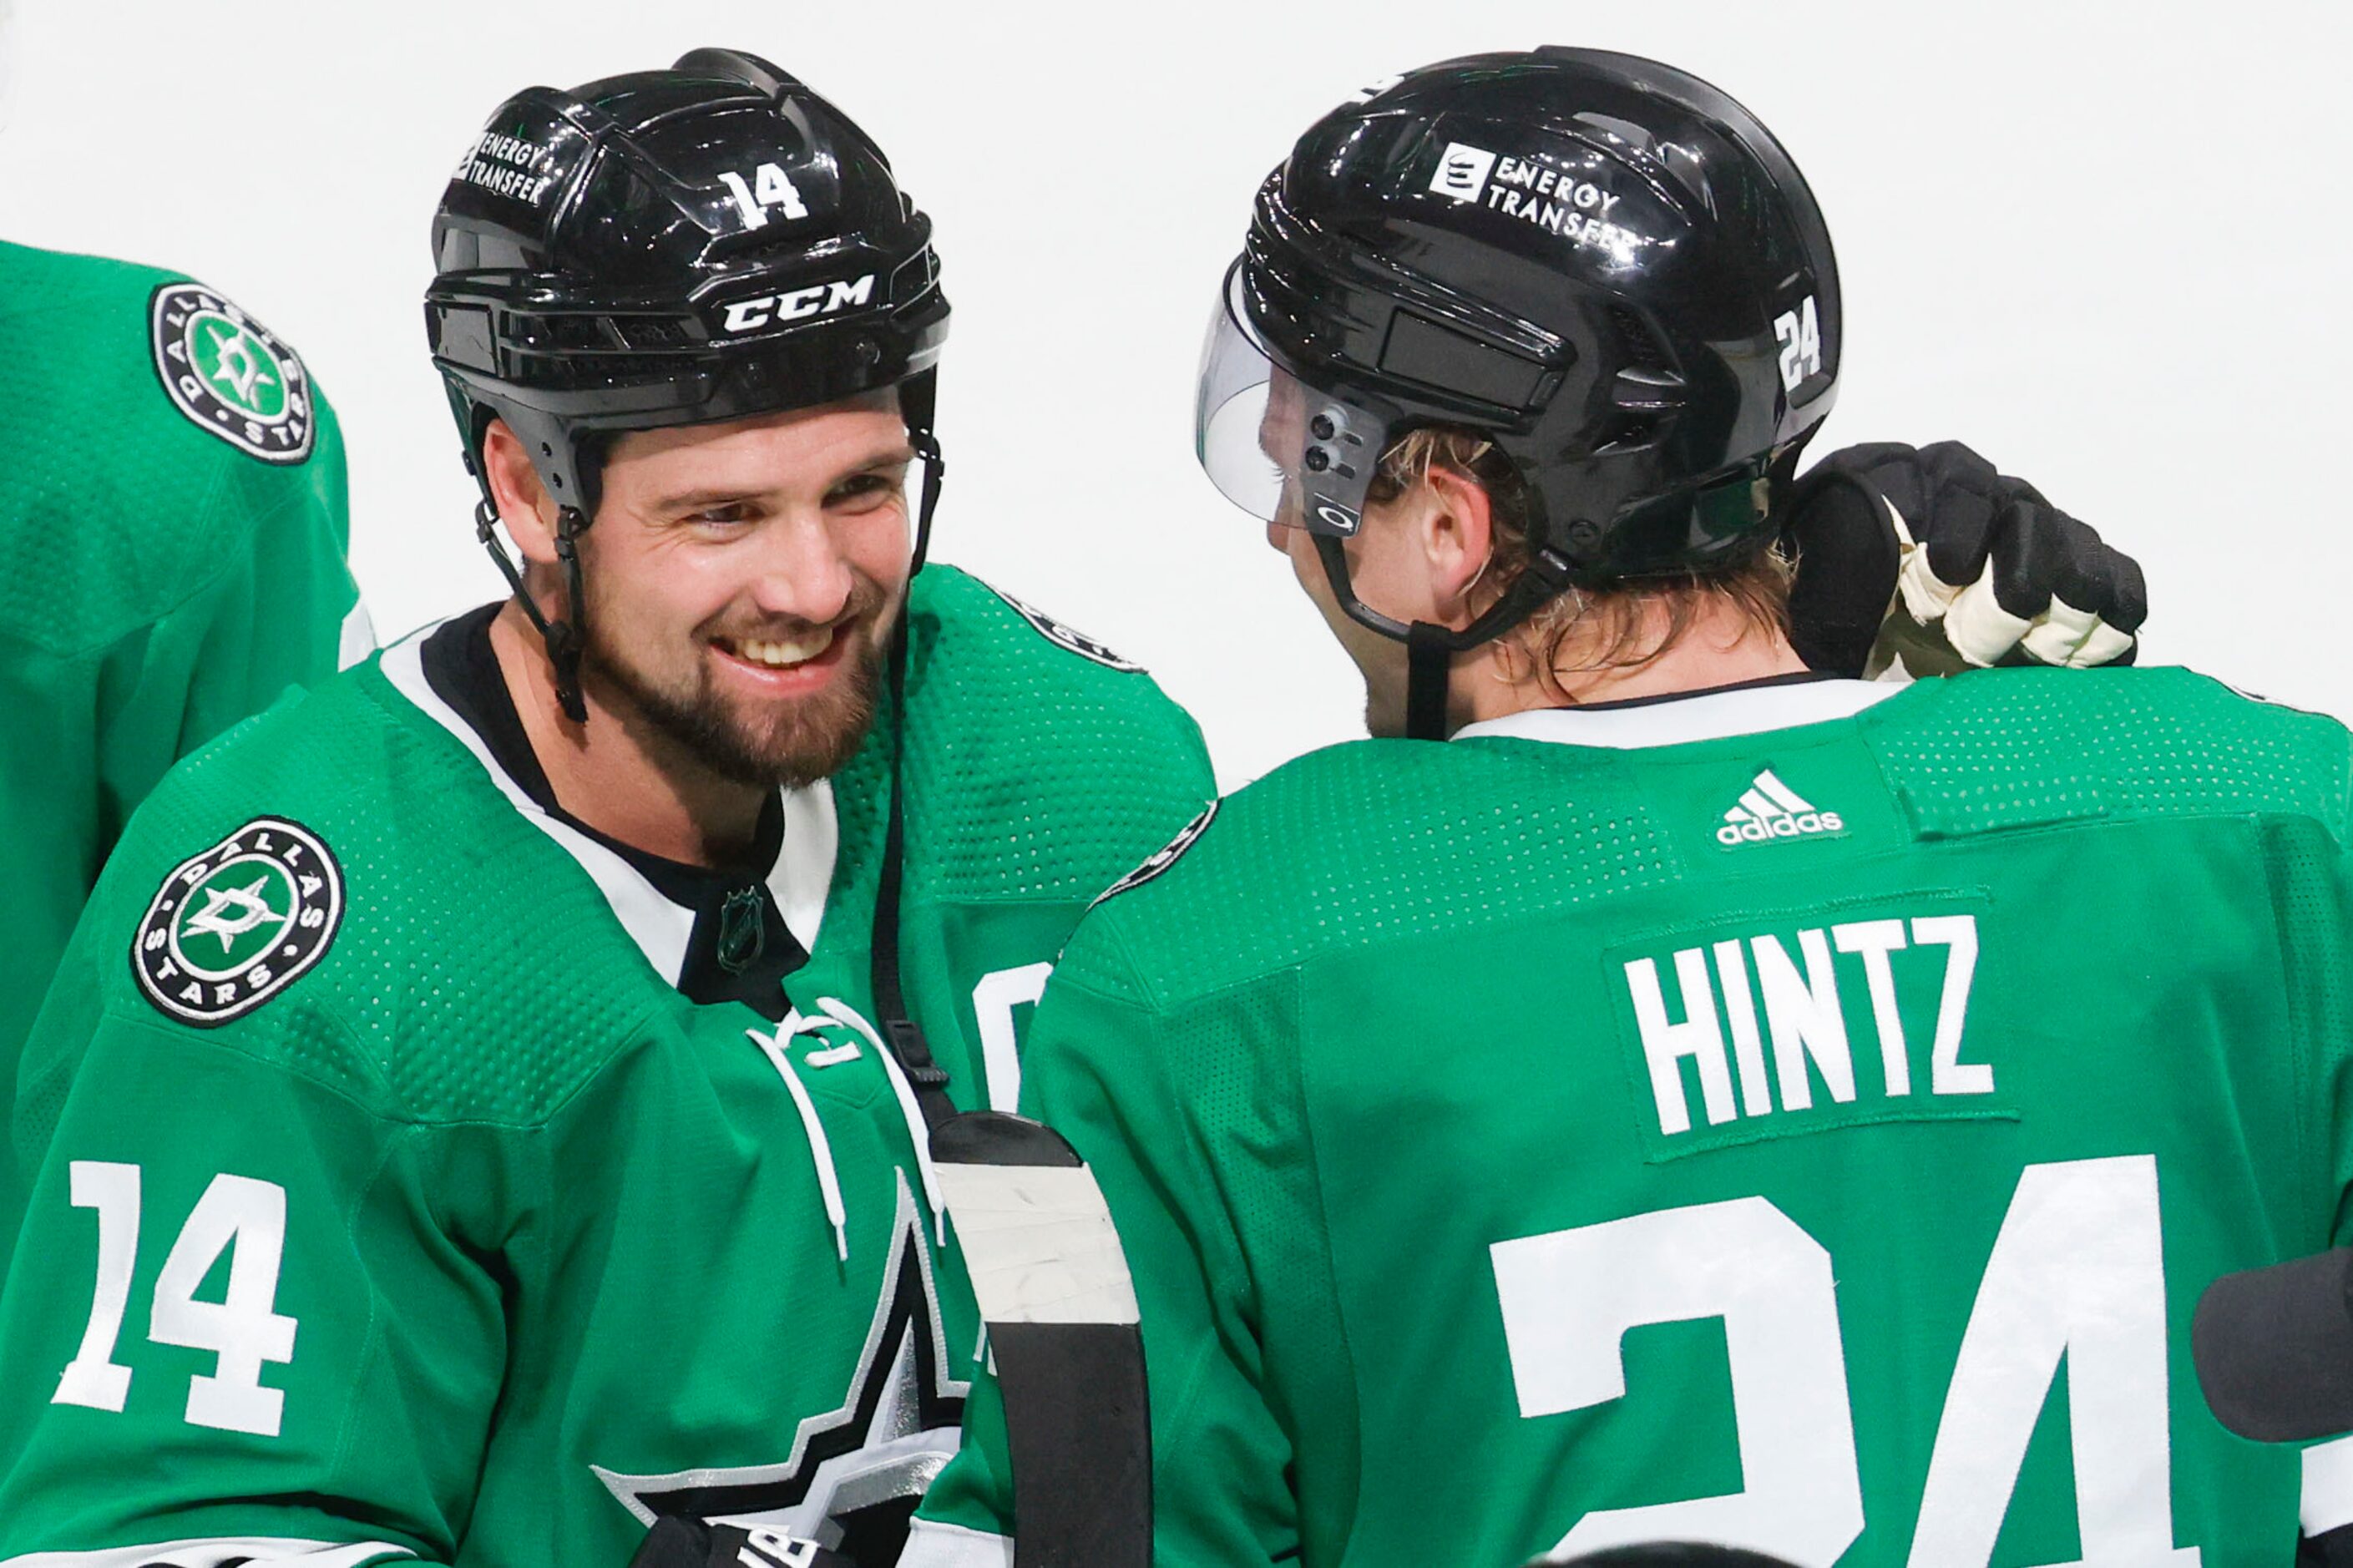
1678,721
799,881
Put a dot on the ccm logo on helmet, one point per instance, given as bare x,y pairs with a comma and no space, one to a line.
818,299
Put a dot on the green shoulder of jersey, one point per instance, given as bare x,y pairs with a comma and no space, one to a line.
1375,840
173,534
155,414
524,1250
1734,1137
1043,757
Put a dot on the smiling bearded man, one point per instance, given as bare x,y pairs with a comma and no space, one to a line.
761,690
541,1023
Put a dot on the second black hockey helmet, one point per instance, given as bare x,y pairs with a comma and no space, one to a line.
1601,264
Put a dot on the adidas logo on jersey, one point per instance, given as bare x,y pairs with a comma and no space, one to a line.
1771,809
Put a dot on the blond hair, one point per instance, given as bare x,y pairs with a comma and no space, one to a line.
1583,630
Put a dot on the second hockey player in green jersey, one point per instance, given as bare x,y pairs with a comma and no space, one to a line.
173,524
449,1196
1798,1117
1709,1099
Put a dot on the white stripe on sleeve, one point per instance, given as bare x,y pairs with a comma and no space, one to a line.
355,638
212,1552
2327,1485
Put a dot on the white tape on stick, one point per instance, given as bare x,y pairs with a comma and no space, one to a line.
1040,1244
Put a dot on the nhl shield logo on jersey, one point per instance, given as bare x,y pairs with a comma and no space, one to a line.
232,927
229,374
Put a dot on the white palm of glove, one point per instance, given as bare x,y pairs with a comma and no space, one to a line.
1974,627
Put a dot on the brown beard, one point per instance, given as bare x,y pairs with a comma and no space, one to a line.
791,745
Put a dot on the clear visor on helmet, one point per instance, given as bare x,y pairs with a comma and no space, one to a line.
1276,448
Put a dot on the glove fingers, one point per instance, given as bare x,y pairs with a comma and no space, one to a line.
1888,468
2033,548
2083,571
2128,604
2105,645
1978,626
2084,599
2008,488
2103,587
1962,540
2076,639
2059,636
1949,464
1983,560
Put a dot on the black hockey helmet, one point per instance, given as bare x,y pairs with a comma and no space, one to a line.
1599,263
674,247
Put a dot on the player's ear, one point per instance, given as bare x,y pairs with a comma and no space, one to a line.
1457,536
522,501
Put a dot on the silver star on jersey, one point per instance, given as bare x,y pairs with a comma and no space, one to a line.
252,909
241,368
893,1432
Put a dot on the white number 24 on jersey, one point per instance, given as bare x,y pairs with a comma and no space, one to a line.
2076,1272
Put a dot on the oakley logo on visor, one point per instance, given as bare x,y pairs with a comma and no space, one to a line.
1335,516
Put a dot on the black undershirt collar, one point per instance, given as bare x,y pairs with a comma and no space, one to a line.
731,956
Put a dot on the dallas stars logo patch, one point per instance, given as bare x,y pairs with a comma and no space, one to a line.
1163,857
1064,638
229,374
232,927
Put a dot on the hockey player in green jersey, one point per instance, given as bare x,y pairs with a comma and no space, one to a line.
482,1116
173,556
1705,1100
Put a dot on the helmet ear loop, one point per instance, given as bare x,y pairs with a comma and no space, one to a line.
927,451
569,638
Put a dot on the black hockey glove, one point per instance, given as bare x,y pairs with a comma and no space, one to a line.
691,1543
1932,558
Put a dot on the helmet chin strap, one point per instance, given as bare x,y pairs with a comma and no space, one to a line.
565,638
1430,648
1429,664
892,1016
918,402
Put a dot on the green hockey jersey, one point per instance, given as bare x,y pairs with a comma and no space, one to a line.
1796,1117
172,537
394,1198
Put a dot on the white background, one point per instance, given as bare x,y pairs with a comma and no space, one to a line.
2103,244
